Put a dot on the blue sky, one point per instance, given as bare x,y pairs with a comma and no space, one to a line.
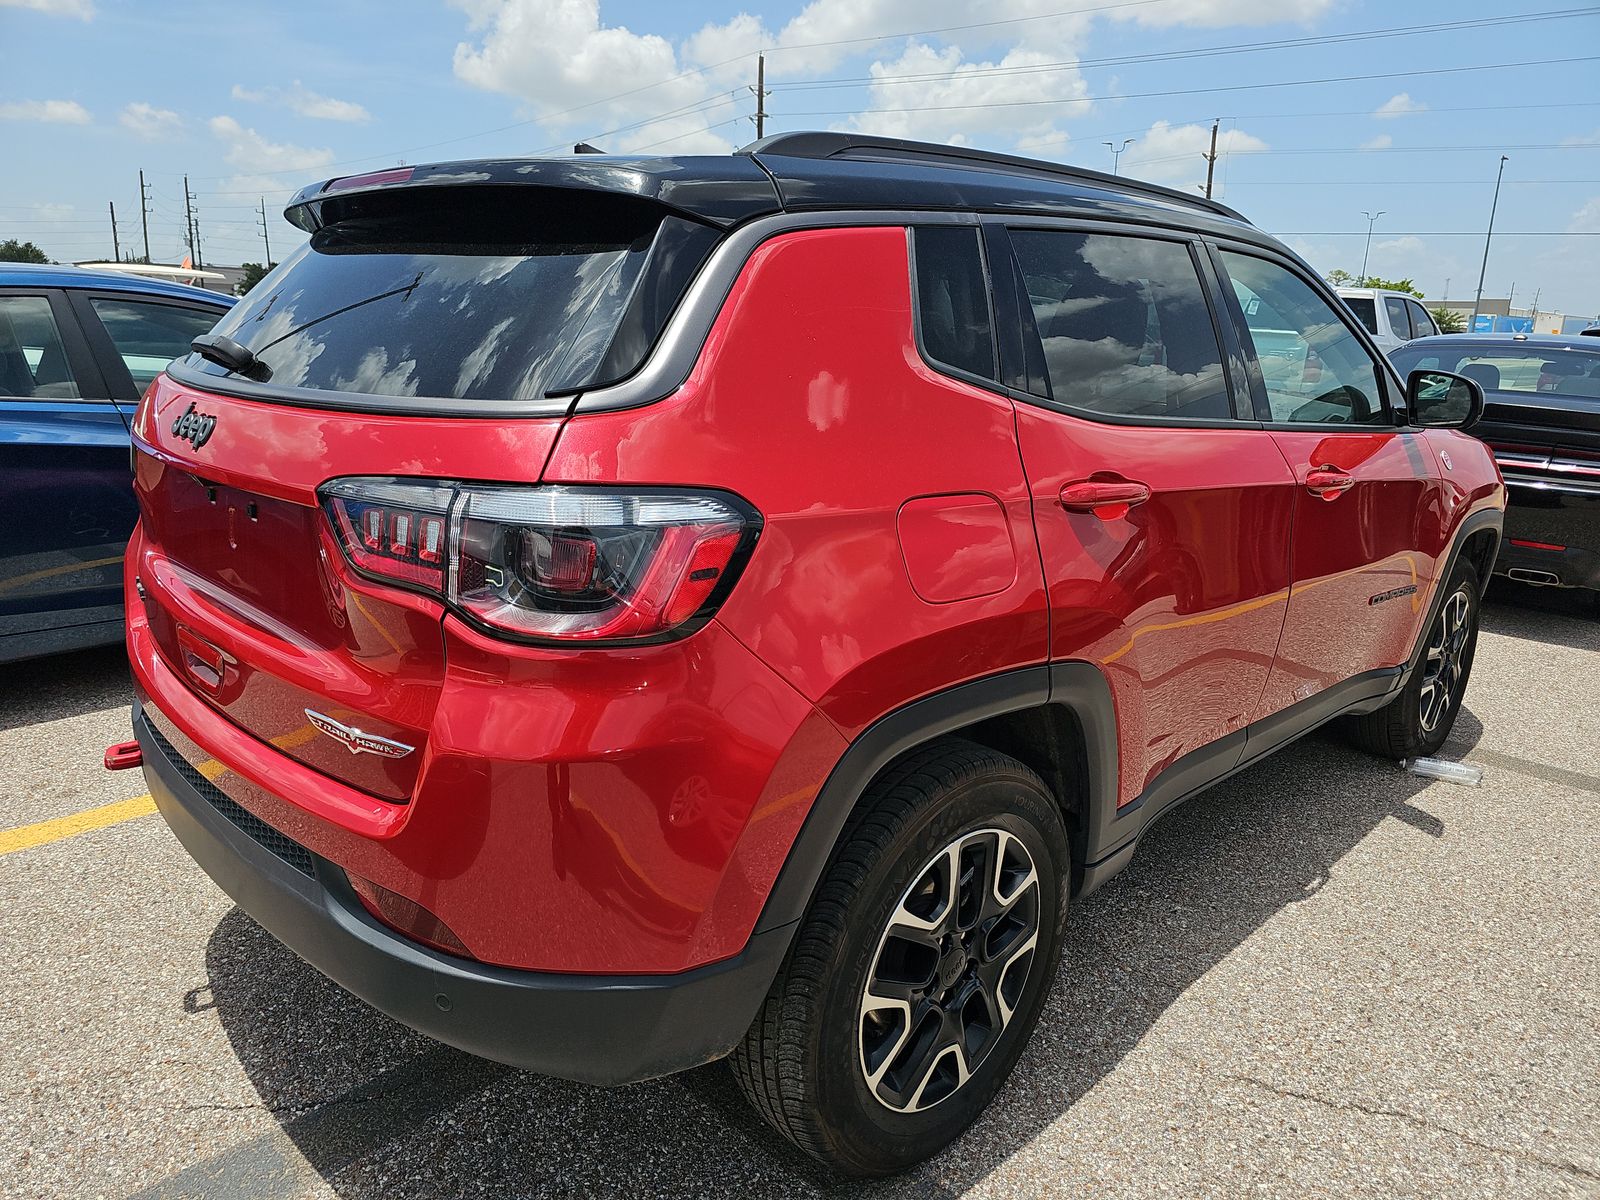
254,100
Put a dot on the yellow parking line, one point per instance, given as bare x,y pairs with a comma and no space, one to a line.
25,837
42,833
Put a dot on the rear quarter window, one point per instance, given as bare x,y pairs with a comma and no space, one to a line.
953,313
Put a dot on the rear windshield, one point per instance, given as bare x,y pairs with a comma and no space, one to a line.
465,293
1365,310
1528,369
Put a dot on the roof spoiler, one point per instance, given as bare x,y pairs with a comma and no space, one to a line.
881,149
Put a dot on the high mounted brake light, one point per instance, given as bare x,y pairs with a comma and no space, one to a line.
561,564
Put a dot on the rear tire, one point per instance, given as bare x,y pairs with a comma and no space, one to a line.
1417,721
920,970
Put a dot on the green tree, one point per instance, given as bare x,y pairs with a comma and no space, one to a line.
253,273
12,250
1448,320
1392,285
1339,277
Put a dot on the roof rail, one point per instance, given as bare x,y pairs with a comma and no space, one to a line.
864,146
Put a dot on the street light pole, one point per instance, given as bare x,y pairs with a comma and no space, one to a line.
1472,322
1116,151
1371,220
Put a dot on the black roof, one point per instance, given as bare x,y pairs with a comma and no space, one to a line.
804,172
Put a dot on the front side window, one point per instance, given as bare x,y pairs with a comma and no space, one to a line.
953,299
1421,323
1124,324
148,334
1314,367
1399,319
33,362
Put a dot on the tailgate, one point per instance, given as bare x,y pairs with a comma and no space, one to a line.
249,598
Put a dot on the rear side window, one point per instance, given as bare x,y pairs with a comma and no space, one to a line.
459,293
33,362
953,313
148,335
1365,309
1399,318
1124,324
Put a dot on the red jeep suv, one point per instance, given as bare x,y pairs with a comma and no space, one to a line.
616,613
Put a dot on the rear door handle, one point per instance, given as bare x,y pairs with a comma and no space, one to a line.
1107,499
1329,482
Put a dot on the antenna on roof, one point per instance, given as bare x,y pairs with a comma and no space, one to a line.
585,148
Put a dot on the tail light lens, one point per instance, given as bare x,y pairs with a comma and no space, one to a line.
566,564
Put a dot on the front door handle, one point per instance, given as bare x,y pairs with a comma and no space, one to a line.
1107,499
1329,482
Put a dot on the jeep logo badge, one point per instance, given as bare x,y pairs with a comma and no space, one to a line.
194,427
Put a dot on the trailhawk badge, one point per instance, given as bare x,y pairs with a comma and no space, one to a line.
354,740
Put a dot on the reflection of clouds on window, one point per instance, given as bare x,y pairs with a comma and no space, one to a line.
478,365
375,377
1124,325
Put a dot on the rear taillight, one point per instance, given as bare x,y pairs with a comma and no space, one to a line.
549,563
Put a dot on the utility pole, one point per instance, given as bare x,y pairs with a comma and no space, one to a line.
1487,238
1446,295
1211,159
199,259
116,246
760,90
1534,315
144,214
188,224
264,240
1116,151
1371,220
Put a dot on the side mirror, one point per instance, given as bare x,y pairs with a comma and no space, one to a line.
1441,400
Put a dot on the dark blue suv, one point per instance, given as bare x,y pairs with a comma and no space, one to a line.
76,350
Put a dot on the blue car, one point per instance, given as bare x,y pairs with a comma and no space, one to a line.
76,350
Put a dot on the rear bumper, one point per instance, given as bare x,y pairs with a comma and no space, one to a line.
1564,522
597,1029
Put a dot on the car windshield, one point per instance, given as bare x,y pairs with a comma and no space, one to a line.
467,296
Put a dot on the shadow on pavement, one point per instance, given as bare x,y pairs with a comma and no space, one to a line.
64,685
1556,616
377,1111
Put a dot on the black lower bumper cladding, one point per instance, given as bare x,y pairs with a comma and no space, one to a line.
604,1030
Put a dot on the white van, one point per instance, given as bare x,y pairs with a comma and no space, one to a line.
1392,318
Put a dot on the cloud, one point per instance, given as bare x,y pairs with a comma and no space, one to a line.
580,76
1409,244
300,99
1222,12
249,151
1382,142
1399,105
1175,154
1583,139
1586,219
81,9
149,122
56,112
969,99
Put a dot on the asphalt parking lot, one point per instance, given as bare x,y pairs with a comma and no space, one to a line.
1325,978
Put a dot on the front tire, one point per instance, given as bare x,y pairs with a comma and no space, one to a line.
1417,721
920,970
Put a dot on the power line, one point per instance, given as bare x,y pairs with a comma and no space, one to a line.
1201,52
1236,87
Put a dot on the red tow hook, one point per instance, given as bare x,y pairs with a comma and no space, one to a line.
123,755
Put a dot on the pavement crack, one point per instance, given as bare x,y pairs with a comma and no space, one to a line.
1399,1114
